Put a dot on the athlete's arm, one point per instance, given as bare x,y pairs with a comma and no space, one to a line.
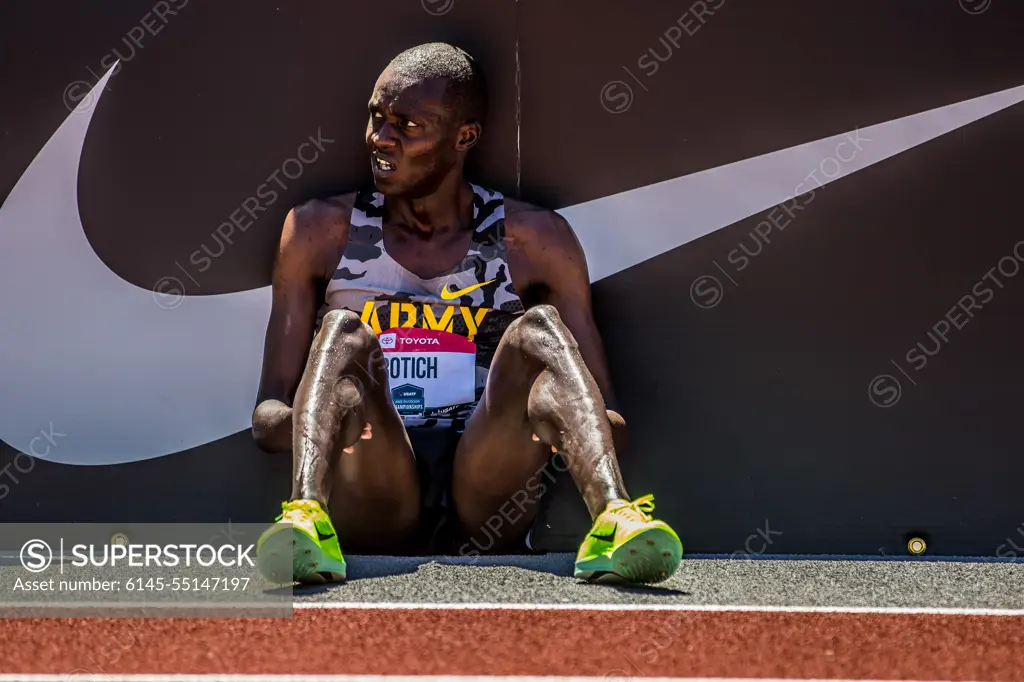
558,271
290,329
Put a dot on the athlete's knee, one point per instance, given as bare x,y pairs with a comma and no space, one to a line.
345,328
541,328
343,321
543,315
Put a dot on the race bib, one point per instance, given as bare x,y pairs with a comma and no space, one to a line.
429,369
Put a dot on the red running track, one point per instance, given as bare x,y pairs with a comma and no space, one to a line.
531,642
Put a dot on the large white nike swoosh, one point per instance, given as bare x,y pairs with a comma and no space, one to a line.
624,229
125,380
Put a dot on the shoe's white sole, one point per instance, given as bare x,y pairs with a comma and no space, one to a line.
309,564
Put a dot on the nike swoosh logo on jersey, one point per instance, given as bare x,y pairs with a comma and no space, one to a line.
141,382
448,295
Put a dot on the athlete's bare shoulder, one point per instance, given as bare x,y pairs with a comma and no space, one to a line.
315,233
323,219
540,244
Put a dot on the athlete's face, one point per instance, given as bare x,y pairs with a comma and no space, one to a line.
413,136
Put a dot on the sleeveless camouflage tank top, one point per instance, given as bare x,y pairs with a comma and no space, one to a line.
438,335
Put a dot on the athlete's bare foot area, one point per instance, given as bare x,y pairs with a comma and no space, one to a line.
424,306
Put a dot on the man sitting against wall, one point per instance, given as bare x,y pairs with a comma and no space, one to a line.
430,343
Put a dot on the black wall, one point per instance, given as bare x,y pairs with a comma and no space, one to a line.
754,410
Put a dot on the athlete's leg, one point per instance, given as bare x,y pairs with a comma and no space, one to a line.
540,388
537,386
350,451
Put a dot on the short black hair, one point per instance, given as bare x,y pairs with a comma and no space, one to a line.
467,87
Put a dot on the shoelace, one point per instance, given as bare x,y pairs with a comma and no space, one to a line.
303,508
639,509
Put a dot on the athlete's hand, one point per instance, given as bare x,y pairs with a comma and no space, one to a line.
366,435
272,426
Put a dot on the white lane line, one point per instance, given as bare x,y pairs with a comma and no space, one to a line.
284,610
215,677
132,605
476,606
